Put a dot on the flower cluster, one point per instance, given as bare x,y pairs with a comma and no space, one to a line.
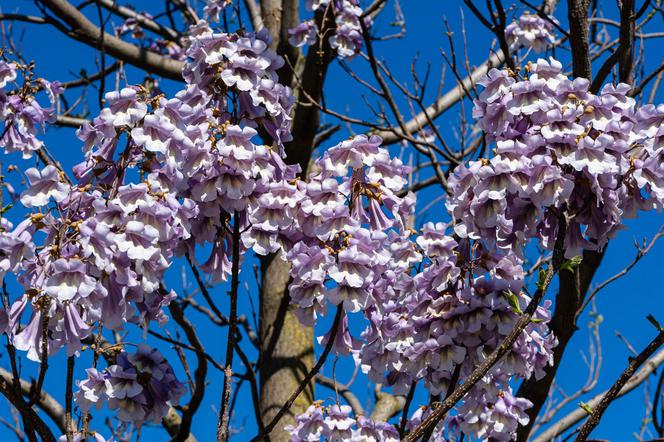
159,177
164,177
140,385
530,31
347,38
335,423
446,318
101,260
349,215
21,115
356,250
558,149
219,62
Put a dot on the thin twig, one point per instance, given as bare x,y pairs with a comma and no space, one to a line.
305,382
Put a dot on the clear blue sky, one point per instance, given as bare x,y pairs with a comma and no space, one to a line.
623,305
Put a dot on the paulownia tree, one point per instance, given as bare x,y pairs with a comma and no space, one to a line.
213,162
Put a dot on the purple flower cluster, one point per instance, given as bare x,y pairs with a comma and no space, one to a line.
447,318
348,215
102,259
356,250
219,63
530,31
334,423
347,38
558,148
21,115
106,241
140,385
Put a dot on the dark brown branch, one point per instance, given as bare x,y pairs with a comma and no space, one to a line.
636,90
623,55
31,421
224,414
24,18
444,102
87,80
69,428
577,14
47,403
200,374
406,408
641,251
566,422
253,384
613,392
204,290
43,364
571,293
497,27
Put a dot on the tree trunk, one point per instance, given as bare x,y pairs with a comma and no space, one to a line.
287,351
287,348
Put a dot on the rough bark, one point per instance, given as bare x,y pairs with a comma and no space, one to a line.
577,14
287,351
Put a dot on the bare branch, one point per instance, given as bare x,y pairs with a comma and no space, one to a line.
224,414
615,389
47,403
636,90
443,103
85,31
200,374
577,415
640,253
577,14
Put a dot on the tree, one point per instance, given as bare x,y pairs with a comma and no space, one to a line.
213,164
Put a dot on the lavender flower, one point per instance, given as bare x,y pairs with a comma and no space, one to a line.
43,186
530,31
140,386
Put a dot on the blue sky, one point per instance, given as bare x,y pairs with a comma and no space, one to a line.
623,305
